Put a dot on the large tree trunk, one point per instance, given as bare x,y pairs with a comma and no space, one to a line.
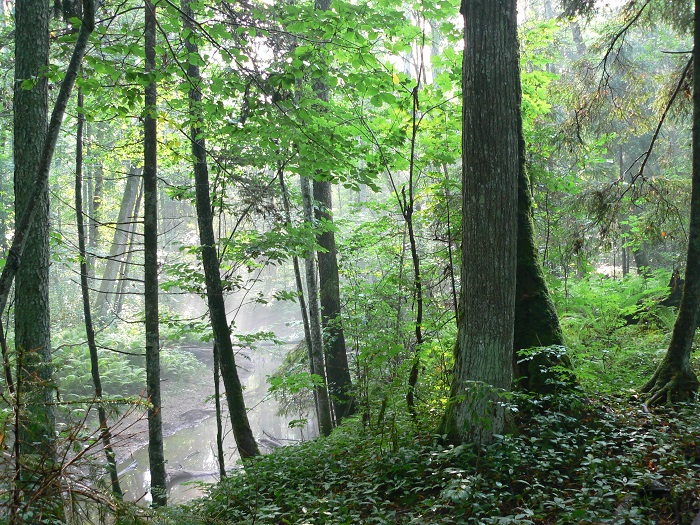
337,368
674,379
536,321
156,459
247,447
483,353
84,288
32,327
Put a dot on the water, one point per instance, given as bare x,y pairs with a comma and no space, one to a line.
191,453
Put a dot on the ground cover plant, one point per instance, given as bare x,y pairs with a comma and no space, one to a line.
569,459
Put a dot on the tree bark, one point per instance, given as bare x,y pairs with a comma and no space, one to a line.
247,447
156,459
674,379
319,365
484,348
335,353
89,330
32,323
536,320
337,367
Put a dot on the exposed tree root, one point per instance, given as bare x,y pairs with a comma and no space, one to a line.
670,384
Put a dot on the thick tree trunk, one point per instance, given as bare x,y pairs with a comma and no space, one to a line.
156,459
536,321
484,349
89,330
120,245
674,379
335,353
337,367
247,447
32,327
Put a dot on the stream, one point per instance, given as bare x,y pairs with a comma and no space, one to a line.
190,453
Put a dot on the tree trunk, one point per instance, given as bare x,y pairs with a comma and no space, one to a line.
319,365
156,459
32,326
120,245
674,379
121,292
484,348
247,447
335,353
316,364
337,367
536,321
89,330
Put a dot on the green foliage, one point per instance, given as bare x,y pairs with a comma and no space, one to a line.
616,332
572,460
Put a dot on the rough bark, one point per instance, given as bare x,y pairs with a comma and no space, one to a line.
483,353
242,433
84,288
536,320
156,458
674,379
32,325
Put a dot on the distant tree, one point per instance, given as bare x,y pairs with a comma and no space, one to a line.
674,379
490,153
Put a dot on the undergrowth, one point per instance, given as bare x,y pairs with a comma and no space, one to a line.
569,460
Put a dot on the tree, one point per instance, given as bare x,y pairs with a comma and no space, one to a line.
337,369
84,288
674,378
536,320
32,324
483,352
156,458
318,361
245,441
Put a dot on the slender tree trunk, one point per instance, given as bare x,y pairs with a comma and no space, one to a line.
90,332
484,349
316,365
408,209
337,367
127,263
247,447
120,245
319,365
674,379
219,426
156,457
